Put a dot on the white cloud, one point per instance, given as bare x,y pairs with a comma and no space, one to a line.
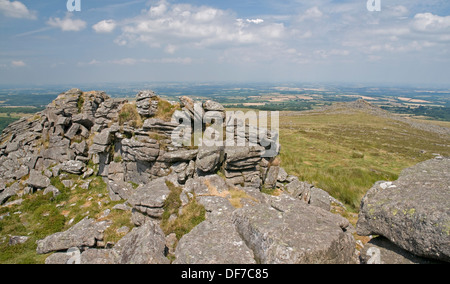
189,26
67,24
170,49
427,22
18,63
16,9
255,21
125,61
313,13
105,26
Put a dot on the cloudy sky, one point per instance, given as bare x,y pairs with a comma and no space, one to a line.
408,41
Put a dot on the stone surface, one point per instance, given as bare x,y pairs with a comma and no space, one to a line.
214,241
412,212
15,240
149,199
6,194
73,167
382,251
209,158
144,245
37,180
210,105
86,233
53,190
290,232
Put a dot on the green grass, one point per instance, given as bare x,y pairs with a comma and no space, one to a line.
346,153
42,215
129,114
191,214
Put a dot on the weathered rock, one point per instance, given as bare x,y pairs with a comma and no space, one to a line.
207,185
272,177
214,241
320,198
58,258
210,105
178,156
412,212
215,205
6,194
242,158
103,138
381,251
37,180
149,198
73,167
289,231
15,240
77,129
144,245
118,189
21,172
53,190
282,175
146,150
144,103
86,233
209,158
99,256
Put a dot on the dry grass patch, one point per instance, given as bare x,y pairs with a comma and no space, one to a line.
129,114
233,194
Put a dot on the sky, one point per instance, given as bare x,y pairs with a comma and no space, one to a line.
405,42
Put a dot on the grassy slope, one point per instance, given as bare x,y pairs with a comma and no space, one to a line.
345,153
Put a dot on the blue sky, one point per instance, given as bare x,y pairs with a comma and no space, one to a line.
407,42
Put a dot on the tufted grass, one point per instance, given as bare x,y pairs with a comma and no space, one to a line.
346,153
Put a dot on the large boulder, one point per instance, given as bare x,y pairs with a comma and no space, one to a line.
412,212
214,241
288,231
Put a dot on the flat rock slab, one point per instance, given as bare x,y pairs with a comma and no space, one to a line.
84,234
214,241
412,212
288,231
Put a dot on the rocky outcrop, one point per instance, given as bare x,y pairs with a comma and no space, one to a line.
132,148
412,212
